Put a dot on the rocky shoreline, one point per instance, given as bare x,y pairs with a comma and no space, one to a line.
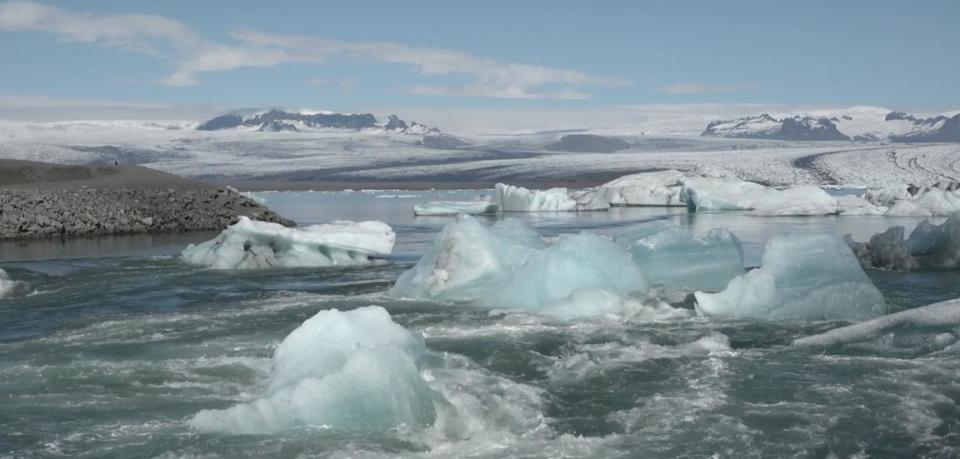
130,200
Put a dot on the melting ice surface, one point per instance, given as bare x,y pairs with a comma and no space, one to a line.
807,277
355,370
251,244
120,345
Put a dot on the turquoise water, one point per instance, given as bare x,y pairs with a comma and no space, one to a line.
120,344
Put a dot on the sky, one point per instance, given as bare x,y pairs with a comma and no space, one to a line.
183,58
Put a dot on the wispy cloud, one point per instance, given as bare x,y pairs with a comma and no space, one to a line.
705,88
192,55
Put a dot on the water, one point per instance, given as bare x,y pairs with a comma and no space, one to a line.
121,344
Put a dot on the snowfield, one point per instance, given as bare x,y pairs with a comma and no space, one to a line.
374,155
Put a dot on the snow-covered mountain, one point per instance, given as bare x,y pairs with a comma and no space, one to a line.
281,120
856,123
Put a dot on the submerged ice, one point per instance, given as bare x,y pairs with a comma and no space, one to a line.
806,277
672,256
251,244
347,370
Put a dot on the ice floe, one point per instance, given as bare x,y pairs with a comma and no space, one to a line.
805,277
346,370
929,246
672,256
251,244
450,208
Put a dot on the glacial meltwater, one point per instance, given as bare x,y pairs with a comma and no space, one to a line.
118,348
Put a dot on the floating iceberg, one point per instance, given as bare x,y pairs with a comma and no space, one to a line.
518,199
659,188
575,263
250,244
671,256
347,370
9,287
450,208
712,193
937,317
468,260
908,200
928,247
807,277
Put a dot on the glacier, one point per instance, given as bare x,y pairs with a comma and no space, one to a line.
512,198
451,208
929,246
672,256
802,277
251,244
348,370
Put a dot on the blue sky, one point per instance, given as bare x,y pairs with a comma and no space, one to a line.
351,55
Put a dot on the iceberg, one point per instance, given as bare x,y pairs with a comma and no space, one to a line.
941,199
10,287
804,277
937,317
353,370
714,193
511,198
575,263
659,188
672,256
928,247
251,244
468,260
451,208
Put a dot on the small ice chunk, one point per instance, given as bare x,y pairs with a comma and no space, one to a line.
945,314
519,199
806,277
450,208
10,287
576,262
672,256
251,244
349,370
467,260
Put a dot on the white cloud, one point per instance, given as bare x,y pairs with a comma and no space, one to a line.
705,88
193,55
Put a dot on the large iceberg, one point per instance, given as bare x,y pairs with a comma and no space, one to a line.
575,263
250,244
928,247
658,188
510,266
450,208
10,287
931,321
806,277
725,193
943,198
347,370
672,256
512,198
468,260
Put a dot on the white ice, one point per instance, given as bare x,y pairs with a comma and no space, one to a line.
672,256
347,370
519,199
251,244
8,286
659,188
930,201
805,277
450,208
712,193
943,314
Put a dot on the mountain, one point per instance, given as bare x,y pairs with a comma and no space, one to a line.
281,120
856,123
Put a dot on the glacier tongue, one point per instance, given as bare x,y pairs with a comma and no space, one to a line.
251,244
806,277
671,256
347,370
